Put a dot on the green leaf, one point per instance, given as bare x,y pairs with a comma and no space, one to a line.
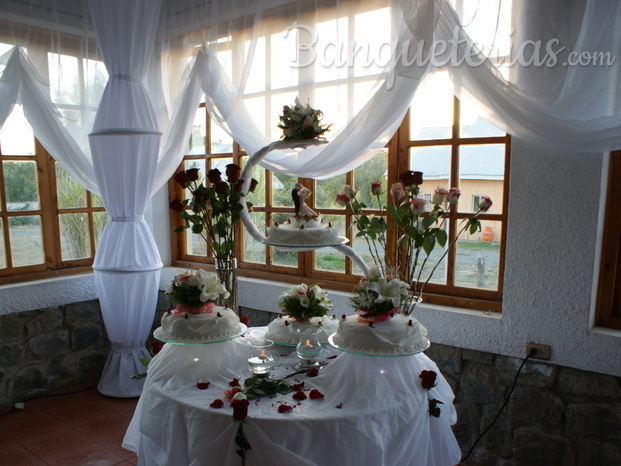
412,232
181,228
197,228
428,244
475,225
144,362
441,237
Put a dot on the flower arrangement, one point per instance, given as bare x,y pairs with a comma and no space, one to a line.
301,122
377,298
304,302
419,225
193,292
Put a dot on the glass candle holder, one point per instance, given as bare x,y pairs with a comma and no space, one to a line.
260,361
308,348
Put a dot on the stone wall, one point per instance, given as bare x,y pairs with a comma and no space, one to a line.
49,350
556,415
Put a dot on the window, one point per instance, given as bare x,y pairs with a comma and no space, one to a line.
609,295
48,222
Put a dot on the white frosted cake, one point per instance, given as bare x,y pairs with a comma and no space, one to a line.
399,335
183,327
282,330
300,230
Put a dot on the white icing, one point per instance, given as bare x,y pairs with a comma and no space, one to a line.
199,328
303,232
392,337
279,332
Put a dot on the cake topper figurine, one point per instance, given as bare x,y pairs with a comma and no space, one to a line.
299,195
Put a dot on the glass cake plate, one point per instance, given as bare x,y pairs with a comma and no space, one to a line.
303,247
158,335
425,343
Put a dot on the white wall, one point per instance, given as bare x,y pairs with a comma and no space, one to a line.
551,255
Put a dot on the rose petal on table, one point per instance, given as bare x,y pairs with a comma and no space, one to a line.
234,383
296,387
313,372
202,385
314,394
339,406
217,404
284,408
299,395
332,357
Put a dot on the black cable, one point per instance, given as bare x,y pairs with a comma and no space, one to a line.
12,408
531,353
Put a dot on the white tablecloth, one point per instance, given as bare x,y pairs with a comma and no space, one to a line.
382,417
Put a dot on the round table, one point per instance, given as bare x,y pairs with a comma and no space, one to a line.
374,412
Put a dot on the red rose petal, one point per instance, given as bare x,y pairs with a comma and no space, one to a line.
202,385
332,357
313,372
299,395
296,387
217,404
314,394
284,408
339,406
234,383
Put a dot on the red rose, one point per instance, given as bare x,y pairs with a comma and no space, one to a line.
217,404
313,372
253,184
156,346
240,409
296,387
214,176
200,196
176,205
428,379
376,188
232,172
202,385
192,174
234,383
314,394
245,320
183,179
411,177
284,408
221,187
299,395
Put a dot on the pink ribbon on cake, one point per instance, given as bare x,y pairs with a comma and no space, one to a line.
381,317
183,309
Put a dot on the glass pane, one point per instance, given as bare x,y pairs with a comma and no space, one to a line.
221,142
435,163
330,59
327,190
70,193
26,240
332,101
74,236
96,201
282,185
431,112
481,173
361,247
374,52
21,187
257,69
196,244
478,257
16,136
253,250
100,219
196,143
284,47
472,124
284,258
2,250
375,169
256,109
257,198
327,258
64,81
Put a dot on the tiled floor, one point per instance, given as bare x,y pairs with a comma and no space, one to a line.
82,429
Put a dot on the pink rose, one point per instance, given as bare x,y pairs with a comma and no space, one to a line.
349,192
232,392
453,196
342,199
439,196
418,205
485,203
397,192
376,187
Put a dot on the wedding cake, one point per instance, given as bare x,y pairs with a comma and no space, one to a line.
184,327
283,329
305,228
398,335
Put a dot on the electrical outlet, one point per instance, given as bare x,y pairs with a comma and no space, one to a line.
541,351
